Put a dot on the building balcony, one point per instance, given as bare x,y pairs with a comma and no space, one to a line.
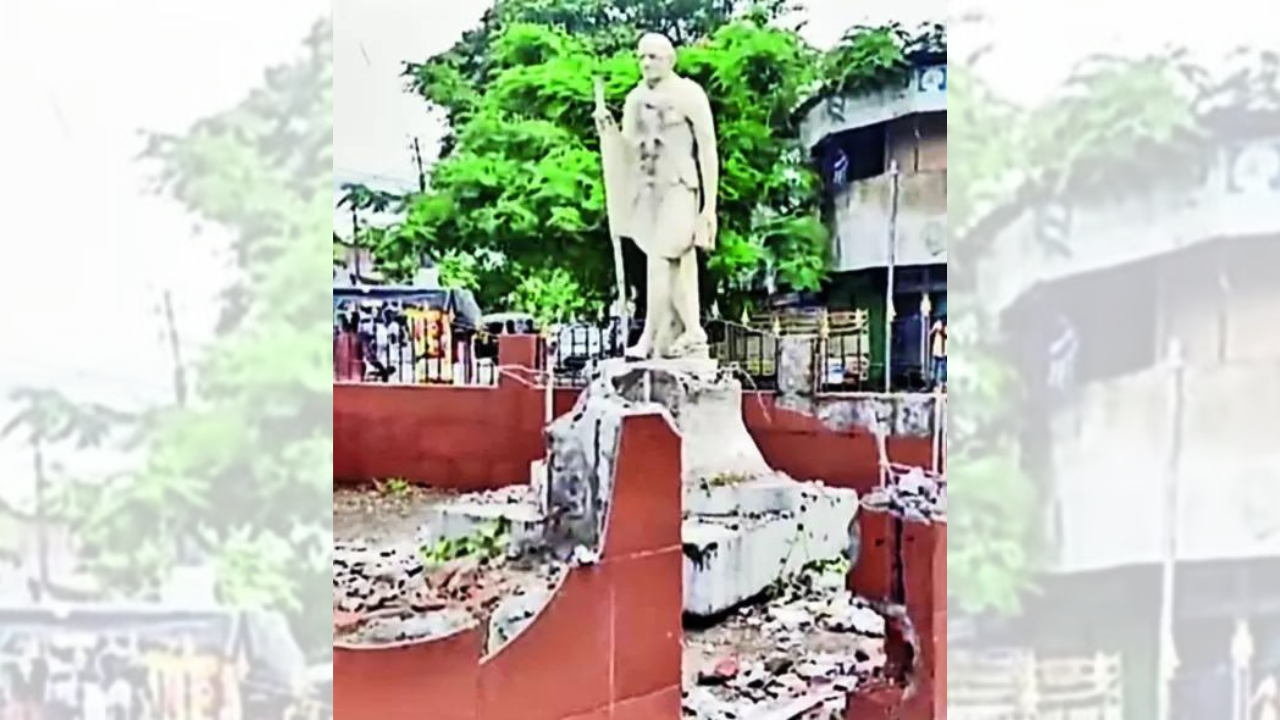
924,92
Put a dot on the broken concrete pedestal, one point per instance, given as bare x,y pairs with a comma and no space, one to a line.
746,525
739,539
704,402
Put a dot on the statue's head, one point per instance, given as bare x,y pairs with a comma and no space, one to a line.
657,58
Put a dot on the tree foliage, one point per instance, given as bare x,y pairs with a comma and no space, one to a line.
519,181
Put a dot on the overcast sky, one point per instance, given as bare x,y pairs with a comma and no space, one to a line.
86,250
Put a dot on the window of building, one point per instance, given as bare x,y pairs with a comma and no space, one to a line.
853,155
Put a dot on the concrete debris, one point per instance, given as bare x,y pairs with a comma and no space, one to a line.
739,538
812,639
415,586
912,494
400,599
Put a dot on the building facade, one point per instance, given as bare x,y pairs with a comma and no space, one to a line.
883,161
1159,439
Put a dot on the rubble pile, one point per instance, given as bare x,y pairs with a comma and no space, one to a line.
913,494
812,638
393,587
400,598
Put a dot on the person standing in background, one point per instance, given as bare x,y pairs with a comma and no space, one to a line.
1063,350
938,355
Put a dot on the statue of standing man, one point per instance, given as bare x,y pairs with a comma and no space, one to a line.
661,177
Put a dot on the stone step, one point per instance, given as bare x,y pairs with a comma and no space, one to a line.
731,558
770,493
738,538
473,514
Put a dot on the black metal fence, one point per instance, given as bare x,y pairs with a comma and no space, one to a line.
844,361
752,353
395,356
578,348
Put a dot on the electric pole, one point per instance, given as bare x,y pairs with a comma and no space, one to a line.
417,160
180,389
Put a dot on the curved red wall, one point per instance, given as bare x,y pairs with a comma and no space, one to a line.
606,646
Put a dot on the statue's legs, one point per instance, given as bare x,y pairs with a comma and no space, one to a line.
685,301
661,320
669,326
664,227
656,309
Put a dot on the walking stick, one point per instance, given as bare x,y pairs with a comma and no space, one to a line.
611,155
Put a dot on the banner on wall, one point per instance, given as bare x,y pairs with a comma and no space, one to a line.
432,339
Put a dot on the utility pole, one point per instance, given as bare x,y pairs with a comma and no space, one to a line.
42,512
1168,657
417,159
180,387
889,312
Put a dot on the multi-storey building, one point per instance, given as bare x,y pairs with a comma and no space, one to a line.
1158,444
883,160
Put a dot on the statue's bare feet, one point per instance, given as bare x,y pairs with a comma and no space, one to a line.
640,351
690,345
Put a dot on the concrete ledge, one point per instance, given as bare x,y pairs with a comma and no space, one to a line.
730,559
459,520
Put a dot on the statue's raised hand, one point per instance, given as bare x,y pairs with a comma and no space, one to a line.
605,121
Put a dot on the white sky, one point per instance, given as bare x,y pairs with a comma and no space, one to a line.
86,250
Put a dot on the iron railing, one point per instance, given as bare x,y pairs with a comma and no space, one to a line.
751,353
578,348
396,357
844,361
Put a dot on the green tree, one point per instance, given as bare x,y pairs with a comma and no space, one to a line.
48,420
518,182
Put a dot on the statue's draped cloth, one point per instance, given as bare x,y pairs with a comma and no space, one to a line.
651,175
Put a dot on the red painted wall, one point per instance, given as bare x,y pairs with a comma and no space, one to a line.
484,437
473,438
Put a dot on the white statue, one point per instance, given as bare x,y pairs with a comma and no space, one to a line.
661,178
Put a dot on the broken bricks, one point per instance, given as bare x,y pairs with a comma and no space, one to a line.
812,639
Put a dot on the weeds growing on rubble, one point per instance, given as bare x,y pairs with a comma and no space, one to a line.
485,545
